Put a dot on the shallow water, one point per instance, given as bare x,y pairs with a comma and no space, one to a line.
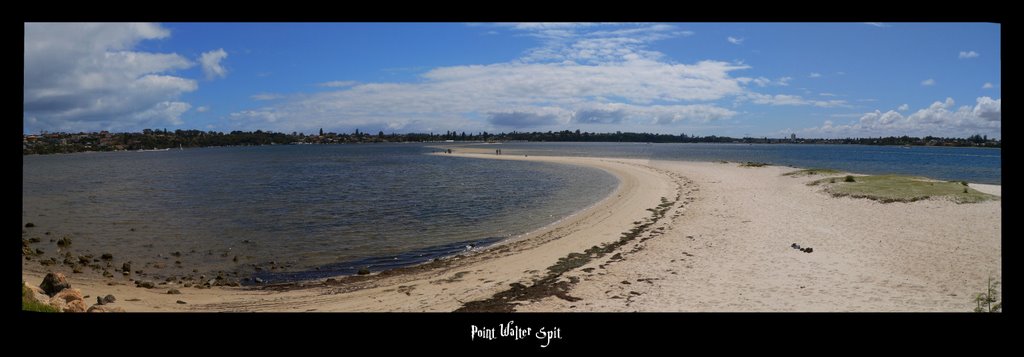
334,207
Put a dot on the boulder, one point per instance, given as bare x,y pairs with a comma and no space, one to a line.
109,299
53,283
126,267
173,292
76,306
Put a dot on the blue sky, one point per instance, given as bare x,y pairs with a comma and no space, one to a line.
735,79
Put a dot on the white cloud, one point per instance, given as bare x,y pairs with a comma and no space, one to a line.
928,82
815,75
968,54
734,40
827,94
203,109
338,84
877,24
596,74
764,81
88,77
986,85
904,107
211,63
938,119
788,99
266,96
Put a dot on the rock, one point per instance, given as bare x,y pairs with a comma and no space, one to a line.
145,284
108,299
53,283
107,256
84,259
182,302
795,246
126,267
77,269
188,285
235,259
260,281
331,281
173,292
107,274
39,251
33,240
809,250
363,271
68,300
177,254
99,308
64,242
29,225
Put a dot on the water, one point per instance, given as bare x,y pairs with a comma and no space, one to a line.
978,165
334,207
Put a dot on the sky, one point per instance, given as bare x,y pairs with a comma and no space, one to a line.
729,79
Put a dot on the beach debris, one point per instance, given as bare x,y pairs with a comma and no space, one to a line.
53,283
802,249
99,308
260,281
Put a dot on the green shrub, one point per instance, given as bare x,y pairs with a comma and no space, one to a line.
849,178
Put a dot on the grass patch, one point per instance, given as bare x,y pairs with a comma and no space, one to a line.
28,303
811,172
896,188
754,164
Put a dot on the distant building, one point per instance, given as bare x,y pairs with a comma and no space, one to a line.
792,136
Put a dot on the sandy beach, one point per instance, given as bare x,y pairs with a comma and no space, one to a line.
673,236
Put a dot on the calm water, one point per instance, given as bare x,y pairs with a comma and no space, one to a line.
977,165
333,207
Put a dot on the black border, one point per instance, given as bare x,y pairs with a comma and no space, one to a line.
682,333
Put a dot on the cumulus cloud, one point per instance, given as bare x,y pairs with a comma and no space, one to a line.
88,77
521,119
968,54
734,40
815,75
904,107
202,109
211,63
928,82
986,85
599,116
579,75
940,118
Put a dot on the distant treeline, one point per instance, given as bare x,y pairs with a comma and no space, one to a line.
148,139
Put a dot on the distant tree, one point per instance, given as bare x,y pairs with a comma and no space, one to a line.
380,134
321,131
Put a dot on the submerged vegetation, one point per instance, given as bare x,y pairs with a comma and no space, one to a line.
811,172
897,188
